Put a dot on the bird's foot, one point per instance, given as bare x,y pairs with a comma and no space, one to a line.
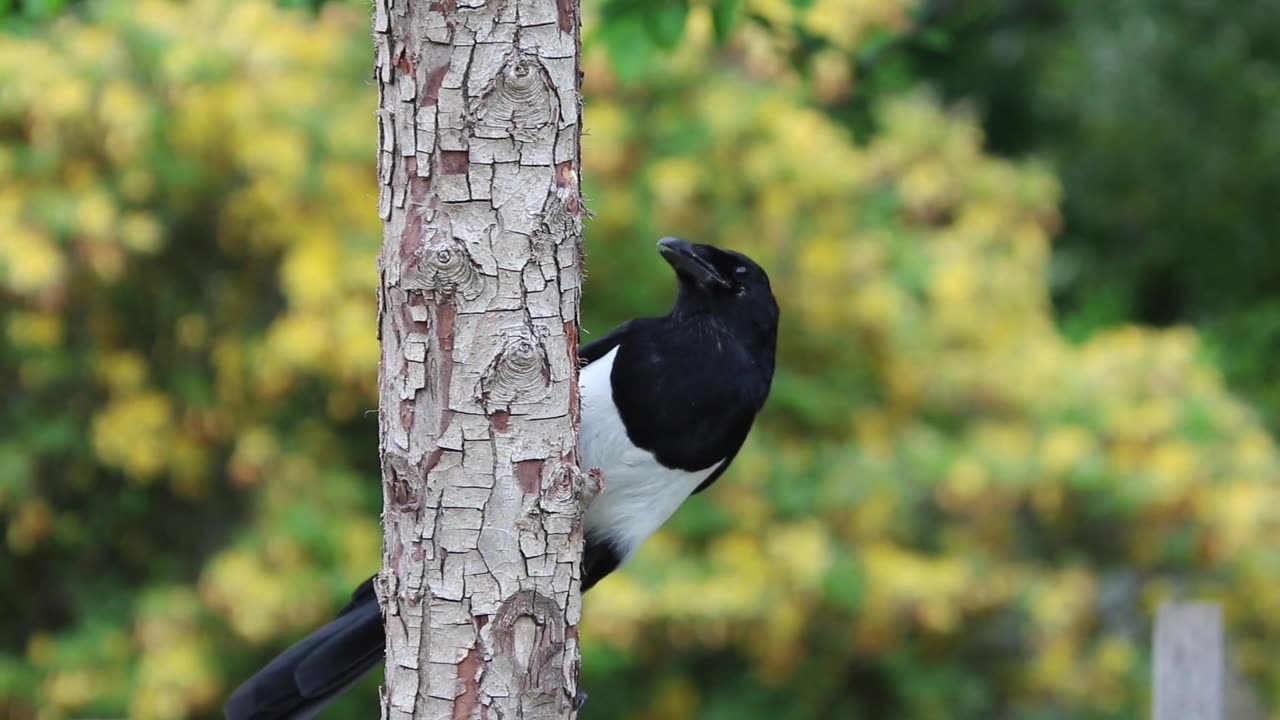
580,700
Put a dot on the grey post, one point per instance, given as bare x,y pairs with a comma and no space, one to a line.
1189,662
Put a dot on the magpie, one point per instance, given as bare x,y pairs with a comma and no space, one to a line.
667,403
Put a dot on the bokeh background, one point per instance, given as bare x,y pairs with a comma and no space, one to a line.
1027,256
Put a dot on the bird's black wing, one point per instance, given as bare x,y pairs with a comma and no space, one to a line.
599,558
736,432
601,346
724,465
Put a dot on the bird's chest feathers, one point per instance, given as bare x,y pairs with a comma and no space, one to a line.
640,493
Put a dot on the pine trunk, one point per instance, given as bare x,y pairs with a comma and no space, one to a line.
478,314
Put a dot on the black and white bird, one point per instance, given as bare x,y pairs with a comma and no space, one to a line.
667,403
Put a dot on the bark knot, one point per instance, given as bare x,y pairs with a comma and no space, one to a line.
564,487
520,373
443,268
529,630
520,102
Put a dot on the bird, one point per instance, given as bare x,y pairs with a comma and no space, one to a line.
667,403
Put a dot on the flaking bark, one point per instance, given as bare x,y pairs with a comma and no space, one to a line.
479,109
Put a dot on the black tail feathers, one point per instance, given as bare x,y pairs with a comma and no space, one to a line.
299,682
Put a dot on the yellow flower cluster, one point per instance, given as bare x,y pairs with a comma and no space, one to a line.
187,231
979,470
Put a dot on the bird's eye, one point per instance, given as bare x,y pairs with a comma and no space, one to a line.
740,270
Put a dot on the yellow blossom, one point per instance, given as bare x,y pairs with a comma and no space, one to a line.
140,232
122,371
35,330
29,262
130,433
97,213
1064,447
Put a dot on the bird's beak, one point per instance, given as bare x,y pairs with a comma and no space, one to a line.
684,258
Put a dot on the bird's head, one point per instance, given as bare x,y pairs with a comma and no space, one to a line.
719,281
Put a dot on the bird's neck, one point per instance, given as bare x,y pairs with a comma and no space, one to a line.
715,332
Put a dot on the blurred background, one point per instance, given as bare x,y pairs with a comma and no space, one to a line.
1026,255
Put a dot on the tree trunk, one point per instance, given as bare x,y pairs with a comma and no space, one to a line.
478,310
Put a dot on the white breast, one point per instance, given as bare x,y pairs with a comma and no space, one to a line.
639,493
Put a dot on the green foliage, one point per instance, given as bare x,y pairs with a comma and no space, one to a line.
1160,118
938,497
950,510
183,242
31,9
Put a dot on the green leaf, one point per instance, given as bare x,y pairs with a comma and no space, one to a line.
665,21
724,13
875,41
43,8
634,30
631,51
845,583
15,474
935,38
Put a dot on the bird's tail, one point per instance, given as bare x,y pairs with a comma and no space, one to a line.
299,682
